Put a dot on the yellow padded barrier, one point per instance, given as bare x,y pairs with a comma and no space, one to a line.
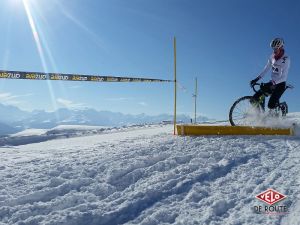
231,130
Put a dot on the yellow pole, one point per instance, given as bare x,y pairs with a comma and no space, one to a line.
196,90
175,86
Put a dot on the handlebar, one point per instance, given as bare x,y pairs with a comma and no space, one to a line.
254,87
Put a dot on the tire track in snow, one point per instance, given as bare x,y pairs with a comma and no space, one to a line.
293,205
274,175
281,169
136,207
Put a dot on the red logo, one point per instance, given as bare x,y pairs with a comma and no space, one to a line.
270,196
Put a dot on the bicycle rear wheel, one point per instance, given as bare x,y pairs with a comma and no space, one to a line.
242,112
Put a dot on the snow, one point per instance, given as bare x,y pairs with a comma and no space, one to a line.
265,120
77,127
145,175
62,131
29,132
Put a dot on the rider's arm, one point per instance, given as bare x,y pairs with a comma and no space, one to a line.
266,69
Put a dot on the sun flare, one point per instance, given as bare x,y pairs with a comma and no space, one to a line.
34,32
38,42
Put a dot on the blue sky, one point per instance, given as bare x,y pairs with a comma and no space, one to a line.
224,44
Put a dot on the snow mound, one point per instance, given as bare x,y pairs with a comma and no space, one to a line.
77,127
66,131
29,132
296,130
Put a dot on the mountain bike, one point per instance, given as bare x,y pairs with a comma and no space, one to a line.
246,107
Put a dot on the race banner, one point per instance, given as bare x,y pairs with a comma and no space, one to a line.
19,75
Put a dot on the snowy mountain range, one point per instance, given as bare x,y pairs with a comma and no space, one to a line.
13,119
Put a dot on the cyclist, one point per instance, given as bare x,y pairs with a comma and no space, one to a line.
279,63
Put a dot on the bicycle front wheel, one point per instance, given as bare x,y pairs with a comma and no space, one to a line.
242,112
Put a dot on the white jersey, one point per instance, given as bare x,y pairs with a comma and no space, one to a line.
279,68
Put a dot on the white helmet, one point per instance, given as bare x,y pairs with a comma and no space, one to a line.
277,43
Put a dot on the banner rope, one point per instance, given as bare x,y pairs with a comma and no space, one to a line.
20,75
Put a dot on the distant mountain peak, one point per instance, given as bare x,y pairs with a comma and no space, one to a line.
40,119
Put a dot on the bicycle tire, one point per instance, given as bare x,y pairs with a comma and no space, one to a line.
231,119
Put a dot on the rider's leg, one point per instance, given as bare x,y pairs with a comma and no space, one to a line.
265,88
277,93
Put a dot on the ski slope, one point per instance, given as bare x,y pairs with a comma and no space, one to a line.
148,176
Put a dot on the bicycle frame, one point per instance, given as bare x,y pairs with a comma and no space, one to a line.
262,102
262,98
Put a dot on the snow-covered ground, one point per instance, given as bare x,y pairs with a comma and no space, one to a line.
148,176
